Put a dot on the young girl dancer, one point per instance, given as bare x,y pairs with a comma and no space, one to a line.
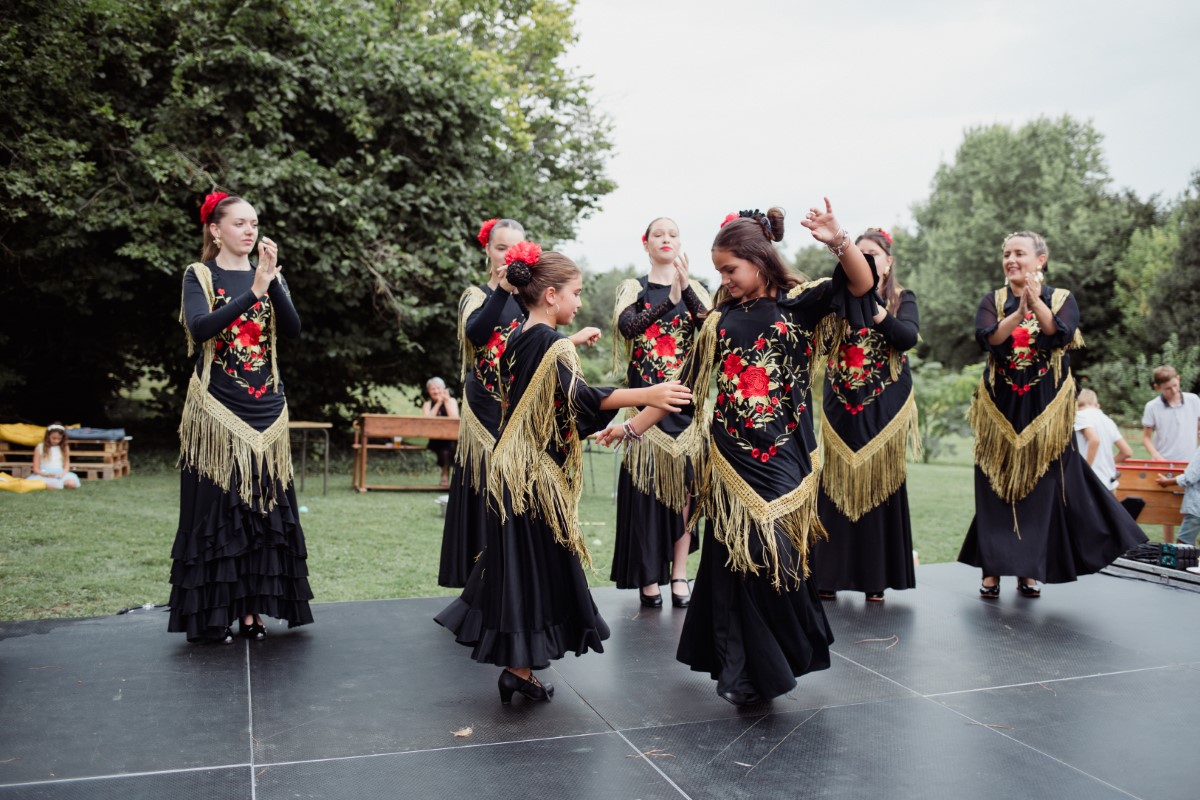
658,317
755,623
869,419
239,551
486,318
527,601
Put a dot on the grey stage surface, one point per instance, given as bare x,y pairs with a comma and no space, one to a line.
1089,692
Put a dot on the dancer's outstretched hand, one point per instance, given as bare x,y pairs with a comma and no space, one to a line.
824,225
587,336
669,396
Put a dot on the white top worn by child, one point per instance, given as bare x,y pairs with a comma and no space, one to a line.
51,460
1096,435
1190,480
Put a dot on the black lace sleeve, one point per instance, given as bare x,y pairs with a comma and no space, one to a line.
694,304
900,330
202,321
287,320
631,323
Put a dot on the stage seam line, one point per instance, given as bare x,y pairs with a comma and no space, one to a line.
250,720
739,736
1054,680
83,778
929,699
653,766
784,739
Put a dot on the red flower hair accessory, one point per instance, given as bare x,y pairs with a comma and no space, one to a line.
485,231
882,233
526,253
210,203
728,219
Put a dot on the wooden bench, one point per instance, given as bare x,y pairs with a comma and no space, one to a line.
90,459
1136,479
388,432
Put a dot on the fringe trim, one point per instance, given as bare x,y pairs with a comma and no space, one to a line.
220,446
1012,462
859,481
535,483
830,330
475,446
622,348
1057,298
737,512
471,301
658,464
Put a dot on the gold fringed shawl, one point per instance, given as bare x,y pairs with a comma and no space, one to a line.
470,302
1057,298
215,442
1014,462
858,481
830,329
622,348
536,484
475,445
737,513
658,464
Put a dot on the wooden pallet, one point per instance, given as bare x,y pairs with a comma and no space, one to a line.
90,460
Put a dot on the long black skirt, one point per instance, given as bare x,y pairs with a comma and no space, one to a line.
229,561
747,636
465,532
527,601
1069,525
647,531
870,555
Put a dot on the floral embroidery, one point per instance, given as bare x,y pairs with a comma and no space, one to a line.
487,359
858,372
755,387
1023,367
242,350
659,351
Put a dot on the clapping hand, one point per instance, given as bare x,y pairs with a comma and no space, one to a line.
824,225
268,266
680,281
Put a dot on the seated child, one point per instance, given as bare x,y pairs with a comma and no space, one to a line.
52,460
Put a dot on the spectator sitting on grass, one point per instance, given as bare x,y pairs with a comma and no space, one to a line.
1190,480
52,460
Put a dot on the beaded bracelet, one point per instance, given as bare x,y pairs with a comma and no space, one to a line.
630,433
841,248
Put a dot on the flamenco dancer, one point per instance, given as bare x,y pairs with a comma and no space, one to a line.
486,318
239,550
755,622
1041,513
526,601
869,418
658,316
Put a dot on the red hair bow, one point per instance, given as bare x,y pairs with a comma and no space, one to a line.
886,235
485,231
525,252
210,203
728,219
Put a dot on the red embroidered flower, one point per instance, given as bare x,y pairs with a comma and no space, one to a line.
722,331
1020,337
754,452
494,341
774,401
772,450
733,366
661,374
781,326
758,409
664,346
485,232
249,333
638,352
720,397
863,331
653,332
760,343
754,382
221,292
853,356
765,457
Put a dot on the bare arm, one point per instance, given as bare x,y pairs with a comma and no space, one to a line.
37,460
451,408
1093,444
1148,442
1124,451
826,230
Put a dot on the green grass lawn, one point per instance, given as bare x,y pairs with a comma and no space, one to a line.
107,546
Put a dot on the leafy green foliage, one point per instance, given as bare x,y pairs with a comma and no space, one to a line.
371,137
943,399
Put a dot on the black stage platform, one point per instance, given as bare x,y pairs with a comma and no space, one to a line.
1089,692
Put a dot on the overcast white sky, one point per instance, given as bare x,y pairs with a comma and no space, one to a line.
749,103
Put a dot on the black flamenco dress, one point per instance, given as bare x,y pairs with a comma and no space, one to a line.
527,601
486,318
868,422
239,548
755,623
655,484
1040,510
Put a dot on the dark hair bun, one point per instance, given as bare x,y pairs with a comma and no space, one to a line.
775,217
519,274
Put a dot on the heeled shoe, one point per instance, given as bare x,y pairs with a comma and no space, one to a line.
224,637
531,689
650,601
740,698
680,600
989,592
256,631
1030,590
875,597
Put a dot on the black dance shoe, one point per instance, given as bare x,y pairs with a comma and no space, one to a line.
740,698
875,597
680,600
531,689
1028,589
989,592
223,637
650,601
256,632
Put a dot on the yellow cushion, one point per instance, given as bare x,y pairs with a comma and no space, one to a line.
28,435
19,485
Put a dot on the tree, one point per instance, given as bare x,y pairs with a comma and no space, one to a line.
372,138
1172,309
1048,176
